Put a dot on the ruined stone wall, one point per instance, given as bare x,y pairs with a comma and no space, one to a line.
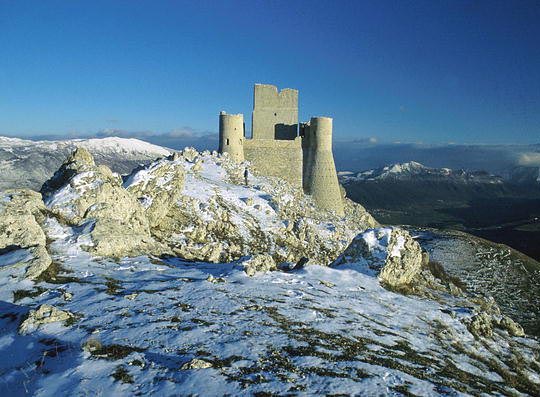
275,114
276,158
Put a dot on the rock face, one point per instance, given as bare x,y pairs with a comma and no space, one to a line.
44,314
259,263
404,260
21,215
198,206
483,324
85,194
196,363
391,252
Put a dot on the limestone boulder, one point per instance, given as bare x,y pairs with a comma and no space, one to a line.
196,363
79,161
82,193
21,216
390,253
158,188
21,212
44,314
403,262
259,264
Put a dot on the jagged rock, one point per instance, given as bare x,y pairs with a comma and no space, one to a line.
158,188
40,261
197,166
481,325
44,314
174,207
196,363
89,193
391,252
80,160
513,328
21,213
259,263
404,260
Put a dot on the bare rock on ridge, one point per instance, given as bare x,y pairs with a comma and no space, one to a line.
21,216
84,192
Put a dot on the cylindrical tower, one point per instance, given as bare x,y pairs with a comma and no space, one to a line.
231,135
321,176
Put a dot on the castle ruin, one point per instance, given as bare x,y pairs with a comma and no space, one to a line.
281,147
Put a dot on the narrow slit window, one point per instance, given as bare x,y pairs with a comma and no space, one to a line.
227,141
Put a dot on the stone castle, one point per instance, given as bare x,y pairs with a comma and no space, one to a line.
280,146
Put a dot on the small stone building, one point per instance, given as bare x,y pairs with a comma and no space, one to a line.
280,146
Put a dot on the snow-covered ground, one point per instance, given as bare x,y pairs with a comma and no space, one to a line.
141,322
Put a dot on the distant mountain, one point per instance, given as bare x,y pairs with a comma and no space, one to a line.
414,171
505,210
525,175
495,159
26,163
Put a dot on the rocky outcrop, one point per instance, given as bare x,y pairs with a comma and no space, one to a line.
21,216
81,193
484,323
158,188
198,206
196,363
195,206
391,253
259,263
404,260
44,314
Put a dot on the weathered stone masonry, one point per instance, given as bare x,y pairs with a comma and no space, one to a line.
300,154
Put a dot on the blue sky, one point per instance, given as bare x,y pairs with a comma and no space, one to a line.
433,71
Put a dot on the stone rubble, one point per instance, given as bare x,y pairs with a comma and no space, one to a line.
44,314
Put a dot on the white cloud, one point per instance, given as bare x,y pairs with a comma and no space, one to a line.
531,159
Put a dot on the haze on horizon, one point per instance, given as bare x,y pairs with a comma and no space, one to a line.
434,72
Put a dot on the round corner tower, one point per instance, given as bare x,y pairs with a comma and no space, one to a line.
231,135
321,179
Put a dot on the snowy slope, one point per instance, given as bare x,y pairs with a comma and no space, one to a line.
25,163
317,331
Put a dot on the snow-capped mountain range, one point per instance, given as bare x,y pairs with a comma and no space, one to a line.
416,171
26,163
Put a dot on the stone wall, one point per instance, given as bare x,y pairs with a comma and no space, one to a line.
275,114
276,158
